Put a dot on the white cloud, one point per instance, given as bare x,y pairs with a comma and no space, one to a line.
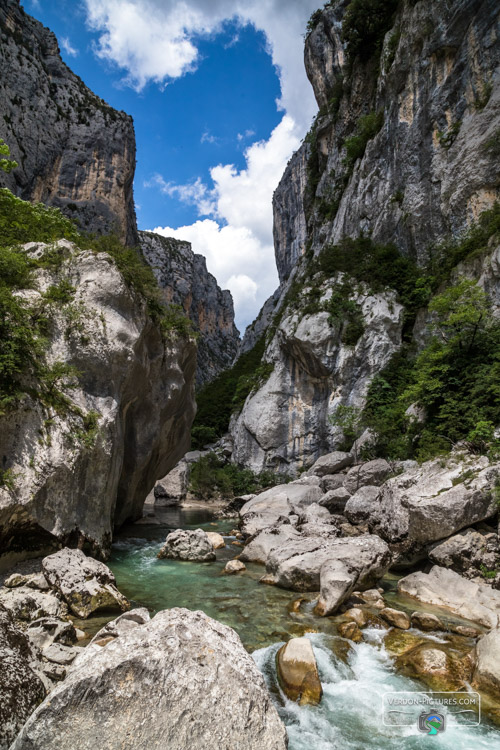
155,41
208,138
67,47
237,241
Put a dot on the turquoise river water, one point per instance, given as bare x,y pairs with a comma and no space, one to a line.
355,677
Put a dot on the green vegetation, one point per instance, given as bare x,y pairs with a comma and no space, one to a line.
350,421
447,138
455,379
367,128
211,476
364,26
7,479
345,312
226,394
6,164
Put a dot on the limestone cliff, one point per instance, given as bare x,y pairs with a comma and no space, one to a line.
404,151
74,151
84,463
184,279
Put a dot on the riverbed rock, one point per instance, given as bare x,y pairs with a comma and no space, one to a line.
216,540
15,580
335,500
85,584
467,552
28,605
396,617
193,545
353,563
178,681
48,630
487,663
436,500
362,505
260,547
234,566
442,587
351,631
331,463
440,666
22,688
283,500
298,672
372,473
426,621
58,653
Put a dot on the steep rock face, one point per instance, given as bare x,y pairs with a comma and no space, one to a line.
428,171
424,173
74,151
78,473
185,281
284,425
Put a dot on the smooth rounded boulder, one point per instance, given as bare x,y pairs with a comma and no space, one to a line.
298,672
189,545
179,681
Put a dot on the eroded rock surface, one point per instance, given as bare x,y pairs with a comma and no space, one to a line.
298,672
190,545
199,681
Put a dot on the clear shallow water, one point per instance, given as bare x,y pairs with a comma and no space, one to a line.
354,676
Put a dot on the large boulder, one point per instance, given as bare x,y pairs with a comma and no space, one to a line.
355,563
335,500
467,552
298,565
372,473
181,680
487,663
283,500
445,588
85,584
191,545
363,504
26,604
298,672
435,500
331,463
172,489
260,547
22,687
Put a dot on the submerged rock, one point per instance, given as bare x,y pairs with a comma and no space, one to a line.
181,680
298,672
191,545
445,588
396,617
216,540
87,585
426,621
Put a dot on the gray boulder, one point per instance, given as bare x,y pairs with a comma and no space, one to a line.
363,504
181,680
372,473
28,605
331,463
22,687
487,663
283,500
48,630
355,563
260,547
467,551
87,585
436,500
445,588
315,513
331,482
297,565
335,500
191,545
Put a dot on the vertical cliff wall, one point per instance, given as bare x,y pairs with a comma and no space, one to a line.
184,280
74,151
404,151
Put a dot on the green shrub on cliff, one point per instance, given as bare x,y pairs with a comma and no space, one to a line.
364,26
211,476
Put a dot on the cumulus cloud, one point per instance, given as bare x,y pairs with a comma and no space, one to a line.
237,241
156,41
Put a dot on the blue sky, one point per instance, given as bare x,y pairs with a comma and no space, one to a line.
220,101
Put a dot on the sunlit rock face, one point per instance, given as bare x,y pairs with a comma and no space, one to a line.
425,175
184,280
74,151
74,480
